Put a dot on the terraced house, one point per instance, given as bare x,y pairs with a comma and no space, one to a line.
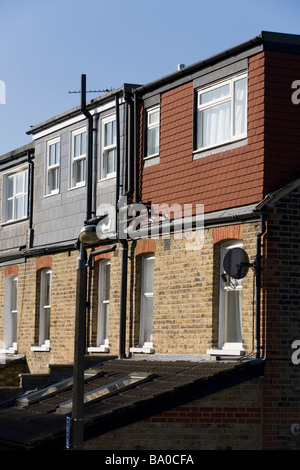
190,289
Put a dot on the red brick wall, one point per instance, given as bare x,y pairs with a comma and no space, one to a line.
219,181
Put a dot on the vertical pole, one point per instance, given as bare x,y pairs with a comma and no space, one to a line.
79,349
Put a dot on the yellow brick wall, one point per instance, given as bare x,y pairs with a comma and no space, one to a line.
185,314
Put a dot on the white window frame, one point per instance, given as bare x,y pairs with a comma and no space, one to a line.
44,342
52,168
145,346
10,315
108,148
150,127
22,194
78,159
103,318
228,348
229,98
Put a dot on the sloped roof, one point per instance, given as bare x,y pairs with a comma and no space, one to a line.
40,425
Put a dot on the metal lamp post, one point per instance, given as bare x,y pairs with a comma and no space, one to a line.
75,425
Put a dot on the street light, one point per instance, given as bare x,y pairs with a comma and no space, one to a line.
87,238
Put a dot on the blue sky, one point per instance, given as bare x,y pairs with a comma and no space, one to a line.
45,46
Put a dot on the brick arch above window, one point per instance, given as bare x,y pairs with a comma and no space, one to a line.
102,256
147,245
44,262
228,232
11,270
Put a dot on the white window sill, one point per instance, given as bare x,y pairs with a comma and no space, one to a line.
42,348
99,349
146,349
77,186
53,193
151,160
14,221
225,352
12,350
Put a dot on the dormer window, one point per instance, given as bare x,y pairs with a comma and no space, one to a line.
222,113
15,196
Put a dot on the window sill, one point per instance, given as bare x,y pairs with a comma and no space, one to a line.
54,193
225,352
99,349
108,177
78,186
220,148
12,222
42,348
12,350
144,350
150,161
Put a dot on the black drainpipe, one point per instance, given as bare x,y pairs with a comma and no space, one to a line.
128,194
30,199
89,169
136,156
258,283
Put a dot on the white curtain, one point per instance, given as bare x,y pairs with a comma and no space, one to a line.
215,124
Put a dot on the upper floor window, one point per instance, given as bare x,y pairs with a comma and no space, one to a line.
222,112
16,189
153,117
79,158
109,147
53,164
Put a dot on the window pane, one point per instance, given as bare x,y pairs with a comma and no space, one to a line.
47,287
19,209
14,294
215,125
51,155
106,281
53,179
19,183
10,209
153,141
114,134
149,275
46,331
77,145
105,320
10,186
148,319
107,134
153,118
240,106
233,314
83,143
57,152
110,161
216,94
79,171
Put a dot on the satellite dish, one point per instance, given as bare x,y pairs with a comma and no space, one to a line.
236,263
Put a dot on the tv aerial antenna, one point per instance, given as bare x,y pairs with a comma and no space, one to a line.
106,90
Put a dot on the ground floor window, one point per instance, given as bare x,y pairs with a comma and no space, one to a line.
230,307
10,314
